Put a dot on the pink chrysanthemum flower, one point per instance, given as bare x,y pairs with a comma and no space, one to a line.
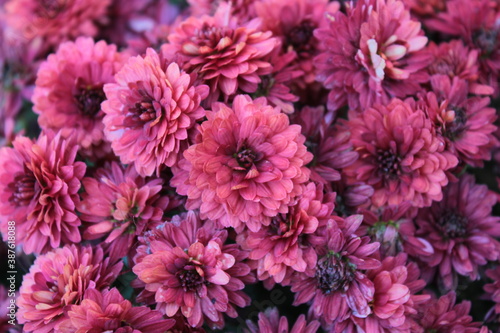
477,22
379,58
226,54
400,155
395,301
329,144
108,311
69,92
55,21
57,280
39,184
493,289
247,167
294,22
454,59
119,204
393,228
467,125
443,315
150,111
188,270
461,230
271,322
338,286
279,247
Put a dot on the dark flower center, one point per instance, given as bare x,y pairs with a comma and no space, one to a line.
452,224
89,100
279,224
300,36
190,279
457,126
442,66
245,157
145,111
333,273
388,163
487,41
210,36
50,8
265,86
23,189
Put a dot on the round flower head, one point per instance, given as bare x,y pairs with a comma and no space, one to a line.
379,58
271,322
461,230
150,111
400,155
279,247
119,204
338,286
57,280
69,92
39,184
186,269
247,166
226,54
55,21
394,300
108,311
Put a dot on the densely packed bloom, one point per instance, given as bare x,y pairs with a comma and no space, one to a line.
280,248
57,280
150,111
39,184
227,55
55,21
188,270
400,155
379,58
247,166
338,286
119,204
106,310
461,230
69,92
271,322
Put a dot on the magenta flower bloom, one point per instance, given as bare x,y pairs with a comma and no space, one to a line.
271,322
461,230
55,21
379,58
467,125
247,166
106,310
226,54
119,204
150,112
338,286
69,92
188,270
400,155
39,184
280,248
57,280
394,301
443,315
493,289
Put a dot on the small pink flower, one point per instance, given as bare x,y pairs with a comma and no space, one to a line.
69,92
400,155
119,204
227,55
338,286
271,322
150,112
107,310
187,269
57,280
247,166
39,184
461,230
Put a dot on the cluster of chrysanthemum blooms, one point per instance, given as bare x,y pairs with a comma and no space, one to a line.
317,145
